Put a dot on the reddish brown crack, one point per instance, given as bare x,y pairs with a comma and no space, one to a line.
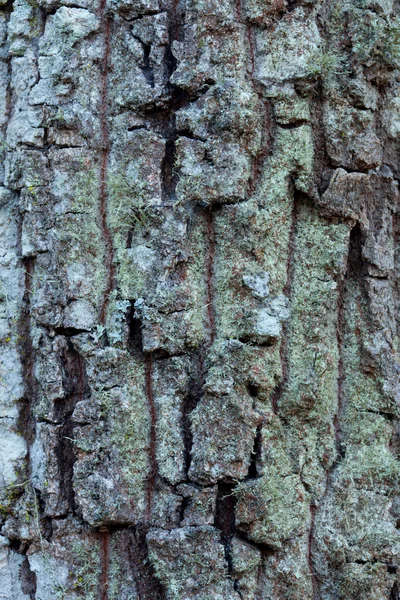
153,424
310,552
105,539
103,192
210,273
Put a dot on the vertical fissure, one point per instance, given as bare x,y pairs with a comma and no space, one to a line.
210,232
255,455
148,586
26,424
146,69
27,577
265,144
153,425
178,98
395,592
76,386
310,557
105,543
168,173
28,580
225,518
135,347
104,160
354,272
135,338
189,403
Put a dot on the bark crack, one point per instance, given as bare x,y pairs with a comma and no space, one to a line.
104,160
209,214
105,542
153,434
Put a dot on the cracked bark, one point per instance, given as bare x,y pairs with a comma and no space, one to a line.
198,300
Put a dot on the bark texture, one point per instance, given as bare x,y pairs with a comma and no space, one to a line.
199,299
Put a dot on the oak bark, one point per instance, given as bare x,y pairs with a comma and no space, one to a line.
199,300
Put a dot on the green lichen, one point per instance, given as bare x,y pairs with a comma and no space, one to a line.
324,65
86,572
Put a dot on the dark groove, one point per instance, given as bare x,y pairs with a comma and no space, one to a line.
148,586
258,161
153,434
253,390
188,405
210,272
105,542
395,592
310,542
147,68
135,340
256,454
76,388
354,272
25,422
103,192
225,517
293,125
28,580
168,173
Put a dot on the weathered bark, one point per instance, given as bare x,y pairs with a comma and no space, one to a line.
199,299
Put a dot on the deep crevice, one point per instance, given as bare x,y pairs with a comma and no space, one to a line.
25,422
105,543
28,580
265,144
225,517
153,434
104,159
211,242
395,592
147,68
68,331
250,342
135,339
310,542
26,576
253,389
293,124
189,403
168,173
149,587
75,384
354,272
256,454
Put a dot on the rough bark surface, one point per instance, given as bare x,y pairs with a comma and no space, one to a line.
199,299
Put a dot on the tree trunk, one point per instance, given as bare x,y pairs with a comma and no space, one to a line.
199,299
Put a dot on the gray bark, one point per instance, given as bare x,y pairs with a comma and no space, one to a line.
199,299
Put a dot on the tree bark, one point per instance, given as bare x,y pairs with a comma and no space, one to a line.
199,299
